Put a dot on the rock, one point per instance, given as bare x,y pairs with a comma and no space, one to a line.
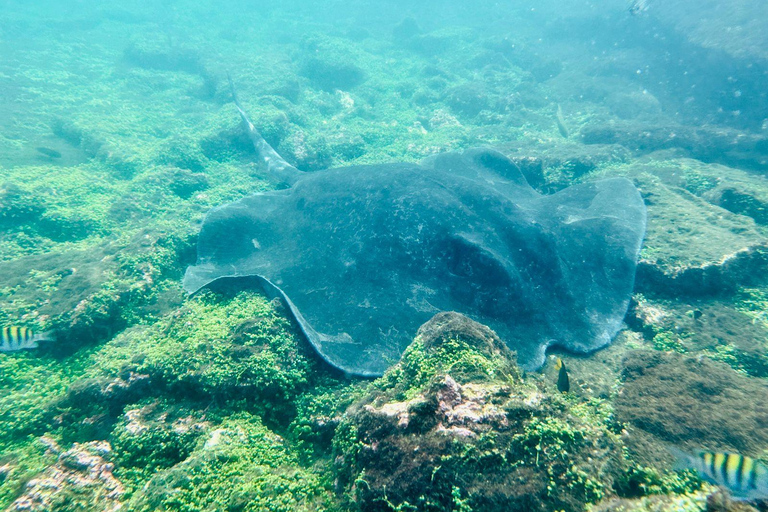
329,64
709,144
18,207
693,403
81,479
330,75
741,192
87,295
156,53
732,189
454,421
467,99
564,162
691,246
721,501
741,30
721,328
157,435
184,182
306,152
451,325
694,502
243,466
123,166
432,44
632,105
183,153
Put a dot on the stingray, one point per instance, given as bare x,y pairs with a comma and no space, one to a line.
363,255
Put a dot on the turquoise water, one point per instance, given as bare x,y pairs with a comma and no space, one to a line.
118,134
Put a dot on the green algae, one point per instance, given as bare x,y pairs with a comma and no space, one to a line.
29,384
150,143
455,424
29,387
218,347
455,356
20,462
242,466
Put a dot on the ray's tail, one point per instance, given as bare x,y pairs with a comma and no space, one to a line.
276,165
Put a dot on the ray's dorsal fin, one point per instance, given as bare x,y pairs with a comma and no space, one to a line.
276,165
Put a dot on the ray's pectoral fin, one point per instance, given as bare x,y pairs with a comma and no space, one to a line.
277,166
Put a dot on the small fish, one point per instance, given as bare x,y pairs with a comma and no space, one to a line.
745,477
561,123
52,153
563,382
638,7
21,338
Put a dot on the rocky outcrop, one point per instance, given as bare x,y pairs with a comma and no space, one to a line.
81,477
694,246
454,422
693,403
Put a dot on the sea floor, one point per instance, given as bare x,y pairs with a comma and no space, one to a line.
118,134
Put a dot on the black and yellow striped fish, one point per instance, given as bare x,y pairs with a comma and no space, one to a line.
744,476
20,338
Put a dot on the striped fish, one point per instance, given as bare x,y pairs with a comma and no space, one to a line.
20,338
745,477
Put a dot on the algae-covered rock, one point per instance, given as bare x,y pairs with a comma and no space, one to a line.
241,466
695,502
18,207
454,424
562,162
81,479
122,165
329,64
88,295
731,329
730,188
692,247
156,435
220,347
706,143
467,99
693,403
739,30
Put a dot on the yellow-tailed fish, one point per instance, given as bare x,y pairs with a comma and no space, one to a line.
15,338
563,382
745,477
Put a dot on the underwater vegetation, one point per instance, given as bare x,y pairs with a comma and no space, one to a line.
118,136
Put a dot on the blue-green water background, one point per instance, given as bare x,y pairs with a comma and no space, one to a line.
139,138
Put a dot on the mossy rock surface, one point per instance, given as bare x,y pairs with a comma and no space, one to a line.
455,424
730,330
241,465
693,403
692,247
